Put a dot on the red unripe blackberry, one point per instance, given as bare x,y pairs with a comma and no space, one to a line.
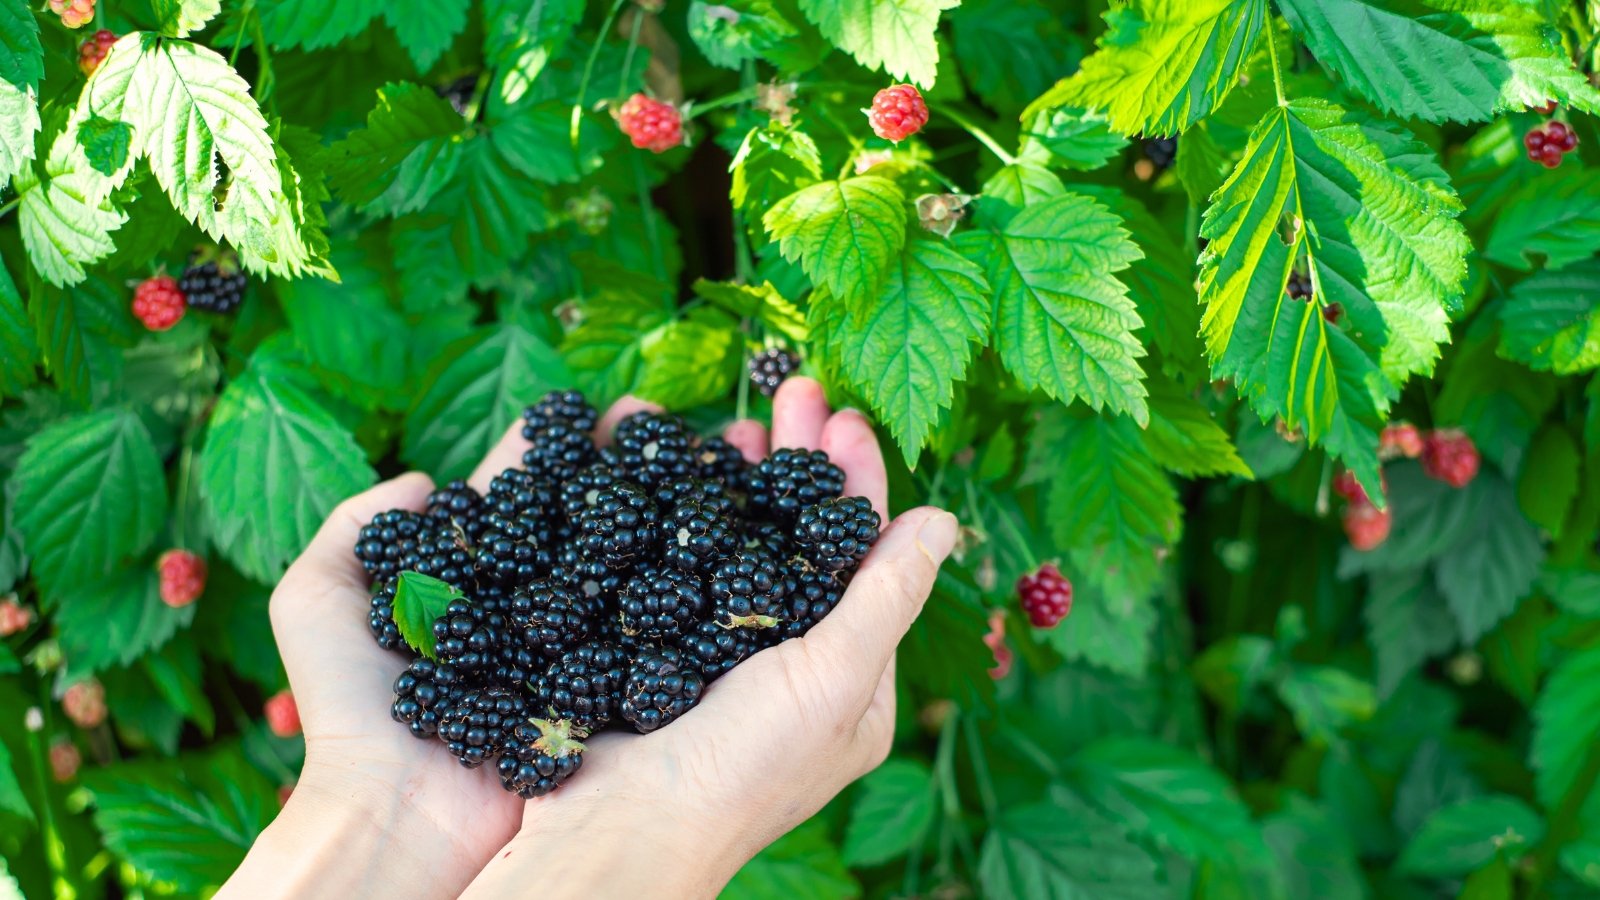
64,761
1046,596
73,13
1401,439
650,124
92,52
85,703
898,111
158,303
283,716
1533,141
1448,455
1366,525
995,640
14,617
183,577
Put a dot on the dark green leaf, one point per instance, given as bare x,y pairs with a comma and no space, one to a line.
801,865
1052,851
1469,834
418,601
18,352
112,621
892,814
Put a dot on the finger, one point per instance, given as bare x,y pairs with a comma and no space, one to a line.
620,410
750,437
799,410
504,455
860,636
850,442
329,561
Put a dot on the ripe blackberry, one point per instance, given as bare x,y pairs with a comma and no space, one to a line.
559,451
551,620
213,281
1046,596
660,688
815,595
748,591
712,494
591,579
715,649
584,687
380,619
516,492
421,692
1161,151
566,407
474,724
538,755
1299,286
458,93
442,551
770,367
469,636
622,525
790,480
388,539
459,503
582,490
697,534
719,460
836,534
659,603
654,448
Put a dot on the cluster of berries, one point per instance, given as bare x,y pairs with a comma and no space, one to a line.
93,51
1447,455
73,13
770,367
605,586
212,282
1547,146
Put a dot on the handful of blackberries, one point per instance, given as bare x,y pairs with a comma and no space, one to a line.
600,586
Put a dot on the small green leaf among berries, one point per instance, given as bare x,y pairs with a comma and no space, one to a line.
419,601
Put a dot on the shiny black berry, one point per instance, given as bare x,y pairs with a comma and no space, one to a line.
659,603
715,649
770,367
661,687
836,534
213,281
551,620
748,591
814,596
790,480
538,755
622,525
474,724
386,541
696,535
421,692
652,448
566,407
584,686
719,460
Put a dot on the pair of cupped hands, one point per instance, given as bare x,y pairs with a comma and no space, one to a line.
377,812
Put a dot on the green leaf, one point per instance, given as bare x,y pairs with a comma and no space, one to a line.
537,141
1500,404
762,302
1071,138
1163,64
472,396
1551,217
1231,670
12,799
801,865
1550,479
772,163
21,68
1430,519
1157,790
1551,320
1110,627
521,37
312,24
349,331
1408,623
66,221
1566,719
844,234
112,621
105,144
1467,835
1494,564
418,601
1371,200
1014,187
408,151
893,35
1326,701
1184,438
427,29
19,354
175,672
1108,498
98,467
892,814
1502,56
1011,52
187,821
907,349
604,350
1052,851
265,425
729,34
691,361
180,18
1063,324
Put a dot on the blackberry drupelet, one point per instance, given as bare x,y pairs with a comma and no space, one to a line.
443,551
386,541
717,459
790,480
770,537
659,603
715,650
710,492
653,448
660,688
696,535
584,687
551,620
213,281
622,525
836,534
566,407
469,636
474,724
747,591
538,755
380,619
770,367
421,692
815,595
559,451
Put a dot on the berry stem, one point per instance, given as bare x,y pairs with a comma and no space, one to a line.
588,68
1277,77
9,206
982,136
478,91
647,207
980,770
633,46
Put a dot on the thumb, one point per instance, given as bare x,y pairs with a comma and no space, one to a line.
860,636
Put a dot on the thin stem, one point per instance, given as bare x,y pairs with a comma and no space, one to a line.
238,39
980,768
741,409
588,68
647,207
982,136
55,848
479,89
9,206
1024,546
185,461
633,45
1277,78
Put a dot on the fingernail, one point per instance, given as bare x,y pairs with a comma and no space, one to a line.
938,534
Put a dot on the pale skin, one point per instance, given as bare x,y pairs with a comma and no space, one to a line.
378,813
